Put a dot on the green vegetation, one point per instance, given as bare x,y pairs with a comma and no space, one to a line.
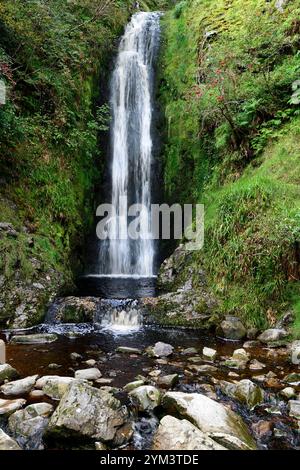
229,88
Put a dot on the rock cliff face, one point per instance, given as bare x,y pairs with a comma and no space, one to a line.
184,297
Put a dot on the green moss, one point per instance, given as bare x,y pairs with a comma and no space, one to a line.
233,134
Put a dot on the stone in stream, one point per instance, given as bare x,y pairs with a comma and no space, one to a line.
54,366
104,381
36,394
272,335
176,434
7,372
40,338
195,359
209,354
288,392
54,386
232,328
88,412
188,351
88,374
19,387
294,408
167,381
146,397
251,344
75,356
203,369
29,425
162,349
132,385
234,364
256,365
2,352
212,418
7,443
91,362
128,350
245,391
293,378
240,355
10,406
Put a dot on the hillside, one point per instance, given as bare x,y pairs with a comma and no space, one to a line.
229,88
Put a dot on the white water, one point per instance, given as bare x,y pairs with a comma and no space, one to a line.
131,147
124,320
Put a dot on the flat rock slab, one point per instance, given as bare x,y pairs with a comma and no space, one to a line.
10,406
128,350
19,387
34,339
214,419
88,374
176,434
54,386
146,397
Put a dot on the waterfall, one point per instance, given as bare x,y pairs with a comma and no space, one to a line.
131,101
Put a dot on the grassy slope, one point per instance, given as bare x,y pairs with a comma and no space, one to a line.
227,69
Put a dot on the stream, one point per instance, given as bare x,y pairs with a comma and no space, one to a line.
100,341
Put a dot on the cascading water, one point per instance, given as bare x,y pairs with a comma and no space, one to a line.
131,149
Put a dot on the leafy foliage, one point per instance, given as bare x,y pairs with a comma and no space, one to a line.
229,88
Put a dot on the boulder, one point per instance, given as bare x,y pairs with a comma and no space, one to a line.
9,406
245,391
88,374
19,387
7,443
209,354
162,349
232,328
88,412
212,418
272,335
256,365
40,338
240,355
28,425
54,386
167,381
132,385
7,372
176,434
146,397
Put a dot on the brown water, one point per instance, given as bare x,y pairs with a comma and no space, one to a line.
95,342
